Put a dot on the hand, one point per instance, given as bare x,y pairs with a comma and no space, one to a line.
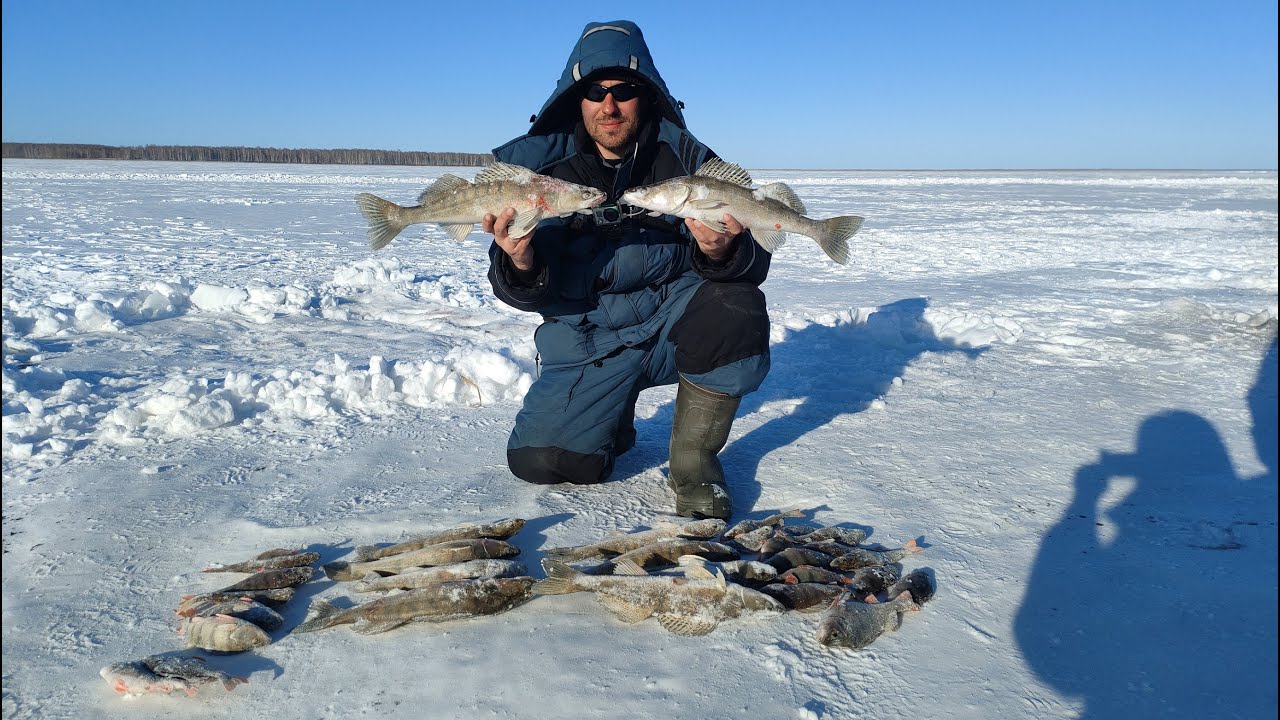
715,245
520,250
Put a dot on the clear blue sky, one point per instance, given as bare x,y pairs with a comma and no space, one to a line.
1018,84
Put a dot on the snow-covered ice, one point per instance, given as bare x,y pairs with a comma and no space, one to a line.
1065,382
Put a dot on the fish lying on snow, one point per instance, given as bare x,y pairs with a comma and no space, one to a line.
193,670
164,674
457,205
857,624
272,579
746,526
694,604
771,211
499,530
444,553
664,553
443,601
423,577
223,633
272,597
619,543
270,562
243,608
863,557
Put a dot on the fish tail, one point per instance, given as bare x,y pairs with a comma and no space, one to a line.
561,579
833,235
911,546
323,615
231,682
384,219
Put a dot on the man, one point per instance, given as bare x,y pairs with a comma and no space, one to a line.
629,301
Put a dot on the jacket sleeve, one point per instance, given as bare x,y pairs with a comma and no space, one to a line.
522,290
748,262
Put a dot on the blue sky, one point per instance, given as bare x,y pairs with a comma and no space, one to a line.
1029,84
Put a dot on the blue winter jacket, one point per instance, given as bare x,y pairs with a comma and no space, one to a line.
600,290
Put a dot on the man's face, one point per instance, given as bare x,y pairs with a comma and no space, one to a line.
612,124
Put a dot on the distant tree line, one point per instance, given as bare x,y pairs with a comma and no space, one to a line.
200,153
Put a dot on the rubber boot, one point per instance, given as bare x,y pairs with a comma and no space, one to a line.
700,429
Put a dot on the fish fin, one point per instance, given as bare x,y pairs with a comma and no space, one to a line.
716,225
833,236
783,193
720,170
189,691
695,566
444,184
628,567
625,610
524,223
231,682
770,240
365,627
322,614
654,213
456,232
383,217
561,579
216,567
912,546
708,204
499,171
872,599
687,625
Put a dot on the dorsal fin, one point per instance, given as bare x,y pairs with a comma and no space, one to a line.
500,171
446,183
785,195
718,169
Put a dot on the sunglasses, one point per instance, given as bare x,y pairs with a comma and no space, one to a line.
621,93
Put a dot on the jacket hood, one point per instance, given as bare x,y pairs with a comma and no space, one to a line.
604,48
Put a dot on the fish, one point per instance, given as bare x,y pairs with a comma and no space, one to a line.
771,211
737,570
450,600
134,679
499,530
273,562
272,579
753,540
809,573
243,608
272,597
797,556
844,536
918,583
693,604
619,543
457,205
222,633
191,670
422,577
874,579
663,552
857,624
863,557
803,596
746,526
443,553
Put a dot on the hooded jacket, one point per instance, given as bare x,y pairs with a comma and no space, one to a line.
603,288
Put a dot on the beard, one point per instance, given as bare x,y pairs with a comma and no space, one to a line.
616,138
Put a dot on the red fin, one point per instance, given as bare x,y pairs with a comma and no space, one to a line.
871,600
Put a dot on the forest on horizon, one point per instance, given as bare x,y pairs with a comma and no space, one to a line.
202,153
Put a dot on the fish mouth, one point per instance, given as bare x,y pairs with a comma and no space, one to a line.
598,199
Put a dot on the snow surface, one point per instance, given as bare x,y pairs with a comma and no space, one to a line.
1063,382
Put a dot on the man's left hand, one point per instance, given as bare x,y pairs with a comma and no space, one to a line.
715,245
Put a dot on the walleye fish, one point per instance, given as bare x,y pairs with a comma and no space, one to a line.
874,579
664,553
242,608
803,596
811,574
856,624
272,579
754,539
439,554
619,543
500,530
423,577
688,605
436,603
273,597
844,536
797,556
457,205
191,670
134,679
737,570
771,211
862,557
223,633
272,562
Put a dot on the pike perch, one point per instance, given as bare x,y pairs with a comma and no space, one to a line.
443,553
500,530
436,603
423,577
619,543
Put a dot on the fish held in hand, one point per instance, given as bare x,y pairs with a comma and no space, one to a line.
719,188
458,205
436,603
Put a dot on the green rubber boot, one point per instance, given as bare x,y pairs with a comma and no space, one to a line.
700,429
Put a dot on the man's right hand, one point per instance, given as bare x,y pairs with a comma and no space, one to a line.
520,250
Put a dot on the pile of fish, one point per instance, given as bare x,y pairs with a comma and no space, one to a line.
233,619
458,573
692,576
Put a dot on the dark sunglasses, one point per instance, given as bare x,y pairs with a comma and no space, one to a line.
621,92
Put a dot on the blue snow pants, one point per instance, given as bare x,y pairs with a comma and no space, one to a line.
576,419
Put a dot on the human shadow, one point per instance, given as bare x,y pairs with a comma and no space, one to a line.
1154,595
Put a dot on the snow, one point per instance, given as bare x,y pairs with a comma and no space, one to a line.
1064,382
